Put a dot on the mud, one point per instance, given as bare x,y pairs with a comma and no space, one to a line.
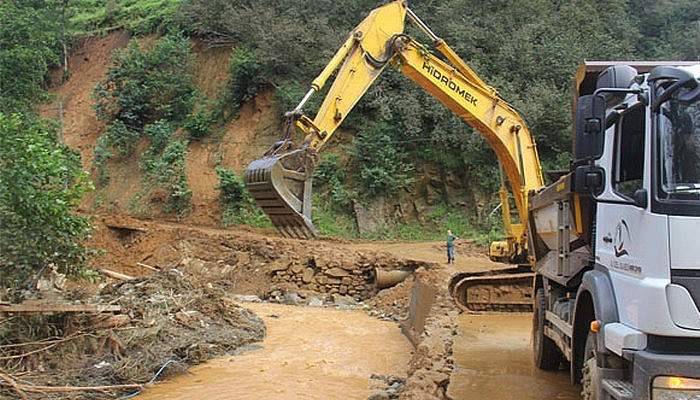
493,355
309,353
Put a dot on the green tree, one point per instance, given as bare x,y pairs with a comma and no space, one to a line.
41,182
381,165
29,46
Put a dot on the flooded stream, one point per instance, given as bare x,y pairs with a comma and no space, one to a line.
493,360
308,353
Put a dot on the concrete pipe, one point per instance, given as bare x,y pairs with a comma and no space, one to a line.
386,279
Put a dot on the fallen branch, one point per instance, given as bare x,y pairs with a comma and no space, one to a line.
116,275
67,389
53,344
142,265
11,382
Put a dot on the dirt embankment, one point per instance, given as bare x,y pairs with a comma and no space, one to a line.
232,145
248,262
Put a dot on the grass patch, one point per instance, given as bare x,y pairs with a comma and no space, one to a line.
90,17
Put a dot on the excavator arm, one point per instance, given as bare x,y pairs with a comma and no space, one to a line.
281,181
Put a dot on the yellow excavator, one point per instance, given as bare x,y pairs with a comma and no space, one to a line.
607,252
281,181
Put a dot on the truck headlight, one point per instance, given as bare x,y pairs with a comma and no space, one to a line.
675,388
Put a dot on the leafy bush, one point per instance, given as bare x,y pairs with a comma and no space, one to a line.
167,170
232,189
238,206
29,45
149,92
121,138
330,177
160,133
41,182
144,86
102,155
199,123
92,17
244,78
382,166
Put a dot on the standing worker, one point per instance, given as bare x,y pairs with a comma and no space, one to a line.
451,247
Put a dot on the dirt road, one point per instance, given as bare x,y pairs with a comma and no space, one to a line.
309,353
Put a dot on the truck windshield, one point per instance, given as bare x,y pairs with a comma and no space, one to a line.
679,137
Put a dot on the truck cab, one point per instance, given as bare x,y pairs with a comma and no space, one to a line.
618,280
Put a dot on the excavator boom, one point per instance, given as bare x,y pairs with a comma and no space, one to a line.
281,181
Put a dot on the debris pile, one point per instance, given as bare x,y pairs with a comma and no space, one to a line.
244,263
168,323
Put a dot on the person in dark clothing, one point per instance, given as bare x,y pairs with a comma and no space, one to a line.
451,247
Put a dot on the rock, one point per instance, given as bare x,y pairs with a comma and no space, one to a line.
379,395
291,298
242,257
279,267
337,273
343,289
346,280
348,266
297,268
369,217
341,300
247,298
308,275
333,281
321,279
315,302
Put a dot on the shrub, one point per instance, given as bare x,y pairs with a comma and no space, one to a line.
330,177
41,182
167,170
238,206
244,78
233,192
29,45
198,124
144,86
382,165
159,133
145,92
121,138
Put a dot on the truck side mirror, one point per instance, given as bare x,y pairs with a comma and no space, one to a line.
640,198
589,179
590,128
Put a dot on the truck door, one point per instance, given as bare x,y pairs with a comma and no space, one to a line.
630,240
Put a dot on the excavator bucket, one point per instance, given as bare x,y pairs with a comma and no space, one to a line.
280,184
507,290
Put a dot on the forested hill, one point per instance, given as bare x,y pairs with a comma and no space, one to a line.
397,142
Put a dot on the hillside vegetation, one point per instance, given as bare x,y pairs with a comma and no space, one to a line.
397,143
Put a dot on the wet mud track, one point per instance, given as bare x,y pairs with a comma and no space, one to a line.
309,353
493,360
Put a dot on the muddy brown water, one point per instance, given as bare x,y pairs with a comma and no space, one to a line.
493,360
308,353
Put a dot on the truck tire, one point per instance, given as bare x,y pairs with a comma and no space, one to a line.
547,355
589,381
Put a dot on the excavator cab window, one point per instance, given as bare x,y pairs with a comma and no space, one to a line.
629,152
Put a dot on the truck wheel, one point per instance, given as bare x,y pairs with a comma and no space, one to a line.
547,355
589,382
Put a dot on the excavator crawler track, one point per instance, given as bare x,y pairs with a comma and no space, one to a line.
506,290
280,185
